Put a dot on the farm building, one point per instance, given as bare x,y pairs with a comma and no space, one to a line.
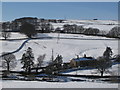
83,62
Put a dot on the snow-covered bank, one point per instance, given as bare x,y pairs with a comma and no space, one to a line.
36,84
113,71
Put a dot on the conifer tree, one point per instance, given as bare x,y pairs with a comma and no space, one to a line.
27,60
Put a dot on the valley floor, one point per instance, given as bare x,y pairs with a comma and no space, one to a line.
68,48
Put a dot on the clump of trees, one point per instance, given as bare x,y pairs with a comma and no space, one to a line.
28,61
70,28
55,65
67,28
114,32
46,27
91,31
28,29
80,30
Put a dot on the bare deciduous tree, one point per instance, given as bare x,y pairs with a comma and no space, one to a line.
5,34
40,61
8,61
103,65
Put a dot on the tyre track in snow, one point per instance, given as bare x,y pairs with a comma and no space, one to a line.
50,38
17,49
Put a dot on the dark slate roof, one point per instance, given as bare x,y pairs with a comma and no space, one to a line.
83,59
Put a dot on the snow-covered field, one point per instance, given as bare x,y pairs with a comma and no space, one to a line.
68,48
114,70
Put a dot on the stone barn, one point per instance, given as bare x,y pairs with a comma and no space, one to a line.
83,62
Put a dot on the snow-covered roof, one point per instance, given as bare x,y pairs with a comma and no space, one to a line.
83,59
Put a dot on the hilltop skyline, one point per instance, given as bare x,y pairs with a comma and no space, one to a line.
60,10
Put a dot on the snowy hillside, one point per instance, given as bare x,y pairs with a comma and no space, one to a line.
102,25
67,47
93,21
